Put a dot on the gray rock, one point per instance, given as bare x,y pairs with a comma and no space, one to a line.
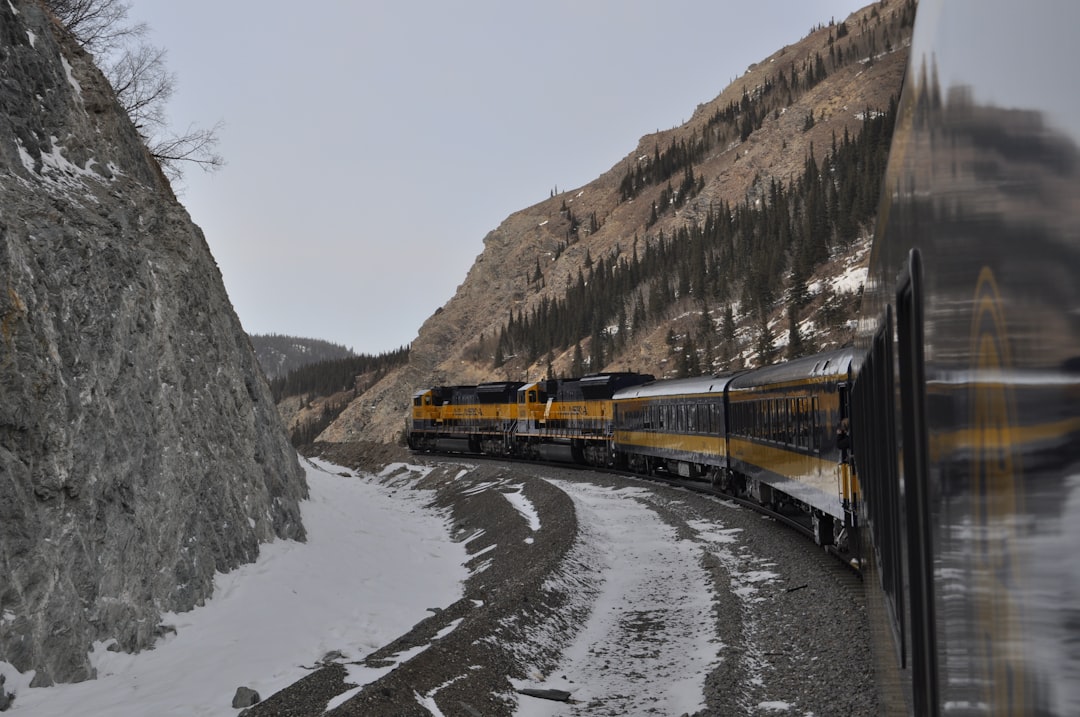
547,694
6,698
245,697
140,450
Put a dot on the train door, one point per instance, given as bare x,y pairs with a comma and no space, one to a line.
846,479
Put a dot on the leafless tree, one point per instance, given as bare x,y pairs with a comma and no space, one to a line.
100,26
141,80
196,146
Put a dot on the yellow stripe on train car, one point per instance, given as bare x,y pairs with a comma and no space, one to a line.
782,460
694,443
569,410
480,411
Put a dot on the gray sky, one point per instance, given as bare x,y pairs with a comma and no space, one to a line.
371,146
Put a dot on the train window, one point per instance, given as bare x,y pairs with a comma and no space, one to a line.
875,458
783,430
774,419
793,422
781,420
804,424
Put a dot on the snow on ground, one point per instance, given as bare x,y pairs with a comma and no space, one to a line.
372,566
524,506
649,641
377,560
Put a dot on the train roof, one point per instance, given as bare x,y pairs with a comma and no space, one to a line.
500,387
827,364
703,385
498,391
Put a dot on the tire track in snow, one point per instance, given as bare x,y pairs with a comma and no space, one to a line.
650,640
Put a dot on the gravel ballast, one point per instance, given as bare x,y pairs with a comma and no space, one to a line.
788,622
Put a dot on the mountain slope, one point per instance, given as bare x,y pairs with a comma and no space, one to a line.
783,115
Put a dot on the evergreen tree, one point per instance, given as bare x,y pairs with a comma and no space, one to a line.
795,342
728,346
765,350
577,368
689,364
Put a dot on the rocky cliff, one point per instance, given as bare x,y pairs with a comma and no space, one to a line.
140,450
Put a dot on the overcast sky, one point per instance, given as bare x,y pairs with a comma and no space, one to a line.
370,145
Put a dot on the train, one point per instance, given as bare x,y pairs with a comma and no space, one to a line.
957,484
766,434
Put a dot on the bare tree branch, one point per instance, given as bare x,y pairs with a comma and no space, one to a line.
195,146
100,26
143,86
141,80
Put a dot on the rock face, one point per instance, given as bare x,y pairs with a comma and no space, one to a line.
140,450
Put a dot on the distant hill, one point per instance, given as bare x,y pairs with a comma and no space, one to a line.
279,354
311,396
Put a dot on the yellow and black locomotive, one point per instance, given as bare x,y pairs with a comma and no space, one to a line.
767,434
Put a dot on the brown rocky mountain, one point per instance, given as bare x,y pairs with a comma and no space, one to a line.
804,96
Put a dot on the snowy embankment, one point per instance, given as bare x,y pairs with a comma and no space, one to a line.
650,641
626,599
373,565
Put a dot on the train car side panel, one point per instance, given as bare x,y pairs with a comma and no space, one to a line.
971,320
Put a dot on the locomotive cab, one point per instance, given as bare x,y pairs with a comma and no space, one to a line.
426,420
425,411
532,402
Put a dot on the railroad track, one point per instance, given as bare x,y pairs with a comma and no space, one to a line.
799,523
